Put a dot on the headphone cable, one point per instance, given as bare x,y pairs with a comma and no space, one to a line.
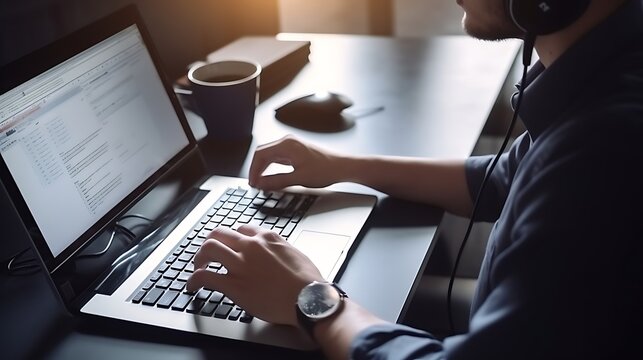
526,61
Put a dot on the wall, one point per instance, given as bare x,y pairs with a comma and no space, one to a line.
409,18
183,31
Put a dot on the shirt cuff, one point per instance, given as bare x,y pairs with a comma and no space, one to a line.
393,341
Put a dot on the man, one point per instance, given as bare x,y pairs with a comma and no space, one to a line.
563,272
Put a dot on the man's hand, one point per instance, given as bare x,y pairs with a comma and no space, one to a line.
313,167
265,273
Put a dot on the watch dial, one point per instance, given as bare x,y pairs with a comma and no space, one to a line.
318,300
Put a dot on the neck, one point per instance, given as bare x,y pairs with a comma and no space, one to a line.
550,47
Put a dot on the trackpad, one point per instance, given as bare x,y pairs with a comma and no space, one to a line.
322,248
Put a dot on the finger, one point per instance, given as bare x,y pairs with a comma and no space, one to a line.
261,159
214,250
249,230
227,236
274,152
278,181
270,235
208,279
258,170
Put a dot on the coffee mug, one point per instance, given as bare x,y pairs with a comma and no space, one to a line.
225,94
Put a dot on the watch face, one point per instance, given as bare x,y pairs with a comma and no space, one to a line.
318,300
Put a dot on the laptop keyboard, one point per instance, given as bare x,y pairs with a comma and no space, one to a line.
165,287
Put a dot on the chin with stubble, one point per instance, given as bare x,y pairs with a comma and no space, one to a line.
488,20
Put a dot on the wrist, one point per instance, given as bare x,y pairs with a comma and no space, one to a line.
318,302
349,168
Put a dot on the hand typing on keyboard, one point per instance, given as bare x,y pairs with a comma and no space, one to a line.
312,167
254,258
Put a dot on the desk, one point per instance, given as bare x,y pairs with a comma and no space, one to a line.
436,93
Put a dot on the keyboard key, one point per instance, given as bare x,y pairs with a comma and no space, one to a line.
214,265
209,308
282,222
178,265
148,285
177,285
216,297
167,299
139,296
255,222
234,199
203,294
270,204
163,267
244,219
222,311
195,306
239,191
163,283
192,249
235,314
287,231
152,296
251,193
271,220
186,257
184,275
228,222
223,212
245,317
182,302
171,274
245,202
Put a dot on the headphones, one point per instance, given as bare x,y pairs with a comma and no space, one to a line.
542,17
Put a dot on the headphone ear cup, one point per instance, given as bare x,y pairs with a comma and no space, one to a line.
541,17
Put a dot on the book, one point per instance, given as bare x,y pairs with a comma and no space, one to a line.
280,60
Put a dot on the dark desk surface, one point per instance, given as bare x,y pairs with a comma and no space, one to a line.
436,96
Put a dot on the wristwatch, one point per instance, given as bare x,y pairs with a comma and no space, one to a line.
318,301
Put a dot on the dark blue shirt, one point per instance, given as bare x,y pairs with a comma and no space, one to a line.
562,275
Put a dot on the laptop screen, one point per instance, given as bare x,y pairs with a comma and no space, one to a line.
81,137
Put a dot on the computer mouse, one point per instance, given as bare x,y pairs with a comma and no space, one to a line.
321,112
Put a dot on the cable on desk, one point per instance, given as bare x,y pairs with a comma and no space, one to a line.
129,233
28,266
109,243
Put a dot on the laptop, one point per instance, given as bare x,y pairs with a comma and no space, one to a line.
92,138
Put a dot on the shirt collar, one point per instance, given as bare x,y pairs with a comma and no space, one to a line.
550,91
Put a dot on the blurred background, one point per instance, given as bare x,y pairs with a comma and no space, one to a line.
186,30
407,18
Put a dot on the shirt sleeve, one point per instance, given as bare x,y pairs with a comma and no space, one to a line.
394,341
500,179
